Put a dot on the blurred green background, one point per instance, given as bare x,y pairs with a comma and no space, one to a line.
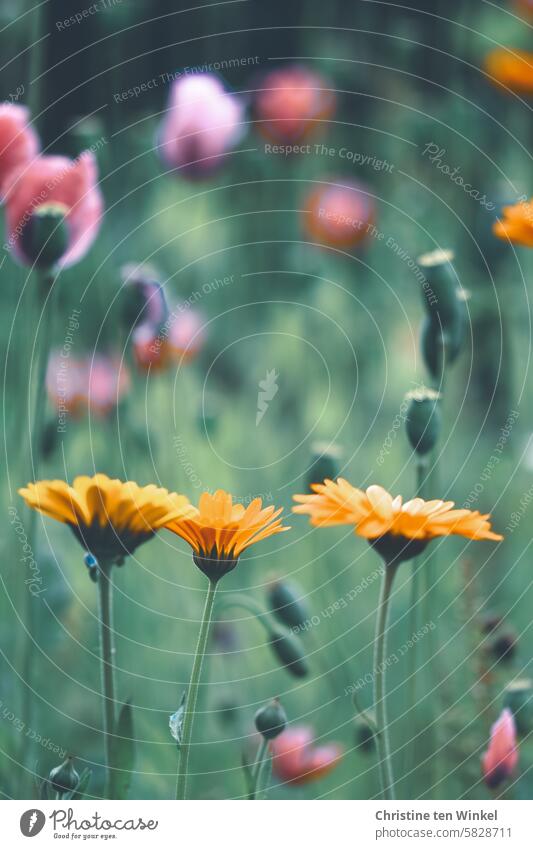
341,330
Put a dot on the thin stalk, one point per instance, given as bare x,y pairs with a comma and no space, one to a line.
262,753
421,468
380,647
192,695
105,587
36,429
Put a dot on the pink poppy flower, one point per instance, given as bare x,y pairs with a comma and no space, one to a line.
339,216
19,143
292,103
150,349
65,383
297,761
149,305
186,334
108,380
66,182
202,123
501,758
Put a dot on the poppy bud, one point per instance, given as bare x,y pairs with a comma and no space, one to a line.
364,735
423,422
489,622
64,777
271,720
45,238
288,650
518,697
503,647
324,463
285,603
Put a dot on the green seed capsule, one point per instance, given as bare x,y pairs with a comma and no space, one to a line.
325,459
439,289
271,720
45,237
423,421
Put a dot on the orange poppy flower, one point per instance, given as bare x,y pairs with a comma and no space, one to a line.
398,530
516,224
219,531
511,69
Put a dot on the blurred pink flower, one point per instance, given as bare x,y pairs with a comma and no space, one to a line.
96,383
72,183
292,102
186,334
203,122
150,350
501,758
340,216
108,380
19,143
297,761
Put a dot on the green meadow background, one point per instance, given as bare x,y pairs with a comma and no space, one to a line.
340,328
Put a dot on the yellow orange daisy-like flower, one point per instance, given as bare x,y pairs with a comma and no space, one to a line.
398,530
110,518
516,224
511,69
220,530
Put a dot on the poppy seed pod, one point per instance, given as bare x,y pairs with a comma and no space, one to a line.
423,421
271,720
518,697
64,778
439,289
288,650
364,735
440,347
284,600
44,239
324,463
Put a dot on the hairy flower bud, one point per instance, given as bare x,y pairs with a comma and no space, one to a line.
271,720
285,602
324,462
423,421
64,778
288,650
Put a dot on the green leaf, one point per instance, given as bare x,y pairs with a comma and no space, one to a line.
122,753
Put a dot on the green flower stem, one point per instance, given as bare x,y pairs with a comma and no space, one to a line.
421,469
192,695
42,348
105,587
380,647
262,757
249,604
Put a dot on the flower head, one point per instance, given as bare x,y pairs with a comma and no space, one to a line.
145,301
297,761
110,518
339,215
220,530
516,224
71,184
18,140
292,102
186,334
202,123
96,383
396,529
511,69
501,758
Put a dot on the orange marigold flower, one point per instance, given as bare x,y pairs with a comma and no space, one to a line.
110,518
511,69
391,525
516,224
219,530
